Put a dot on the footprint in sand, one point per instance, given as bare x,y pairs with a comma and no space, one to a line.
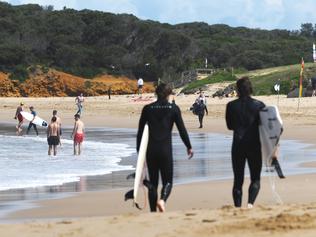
190,214
208,221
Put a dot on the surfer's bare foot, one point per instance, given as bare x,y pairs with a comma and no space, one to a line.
161,205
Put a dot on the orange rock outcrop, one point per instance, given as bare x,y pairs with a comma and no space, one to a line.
8,88
56,83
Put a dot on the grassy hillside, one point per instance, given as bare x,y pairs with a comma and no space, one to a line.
263,80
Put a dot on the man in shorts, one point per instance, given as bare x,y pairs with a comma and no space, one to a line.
78,134
53,136
58,121
19,117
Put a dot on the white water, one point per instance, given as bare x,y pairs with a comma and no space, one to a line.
24,161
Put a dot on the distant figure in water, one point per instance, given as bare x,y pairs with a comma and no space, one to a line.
53,136
20,118
31,124
78,134
79,102
58,121
242,116
160,117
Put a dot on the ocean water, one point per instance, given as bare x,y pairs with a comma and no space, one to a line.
24,162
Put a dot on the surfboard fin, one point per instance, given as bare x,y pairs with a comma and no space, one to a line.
131,176
137,206
129,195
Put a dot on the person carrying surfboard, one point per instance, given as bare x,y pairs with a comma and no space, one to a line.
160,117
31,124
20,118
242,116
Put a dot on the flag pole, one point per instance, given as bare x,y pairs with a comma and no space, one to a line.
301,85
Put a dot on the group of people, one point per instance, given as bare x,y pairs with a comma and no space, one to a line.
242,116
54,130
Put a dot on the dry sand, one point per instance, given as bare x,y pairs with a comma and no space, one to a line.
192,208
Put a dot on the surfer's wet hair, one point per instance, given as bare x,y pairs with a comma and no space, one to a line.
244,87
163,90
54,112
54,119
77,116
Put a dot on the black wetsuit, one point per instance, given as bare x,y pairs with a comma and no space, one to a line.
160,117
201,109
242,116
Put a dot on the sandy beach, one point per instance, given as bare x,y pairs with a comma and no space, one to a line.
190,211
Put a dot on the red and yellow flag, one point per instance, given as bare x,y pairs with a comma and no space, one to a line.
301,78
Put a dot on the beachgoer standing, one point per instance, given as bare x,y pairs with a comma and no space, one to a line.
200,110
31,124
53,136
109,92
79,102
19,117
78,134
242,116
140,84
58,121
160,117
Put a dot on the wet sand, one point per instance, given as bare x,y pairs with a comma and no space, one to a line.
192,208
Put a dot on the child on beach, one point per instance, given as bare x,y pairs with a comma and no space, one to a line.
160,117
242,116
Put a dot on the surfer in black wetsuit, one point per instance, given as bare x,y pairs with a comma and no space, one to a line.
242,116
160,117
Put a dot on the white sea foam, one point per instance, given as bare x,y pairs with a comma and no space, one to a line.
24,161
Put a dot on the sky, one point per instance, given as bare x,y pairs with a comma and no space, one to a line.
264,14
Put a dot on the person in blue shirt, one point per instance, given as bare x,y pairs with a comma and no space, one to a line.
31,122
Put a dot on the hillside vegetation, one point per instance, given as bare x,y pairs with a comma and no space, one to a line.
263,80
91,43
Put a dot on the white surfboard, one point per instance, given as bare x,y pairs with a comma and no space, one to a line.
139,173
270,129
38,121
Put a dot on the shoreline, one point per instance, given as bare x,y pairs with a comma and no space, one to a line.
65,196
104,213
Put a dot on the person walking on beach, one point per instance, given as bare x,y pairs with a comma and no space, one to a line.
78,134
31,124
140,84
58,121
79,102
160,117
200,110
53,136
20,118
242,116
